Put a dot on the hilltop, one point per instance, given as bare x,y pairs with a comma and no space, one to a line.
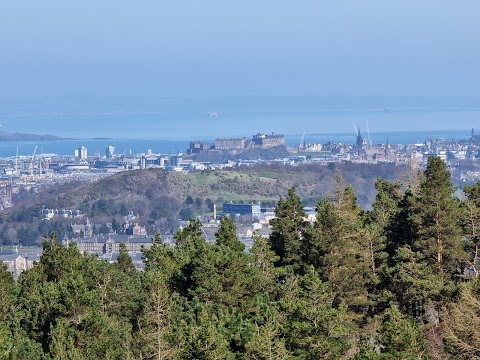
8,136
161,198
257,183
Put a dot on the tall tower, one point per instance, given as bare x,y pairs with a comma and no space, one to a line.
109,152
82,153
359,139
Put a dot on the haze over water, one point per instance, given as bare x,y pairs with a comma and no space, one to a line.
167,125
154,70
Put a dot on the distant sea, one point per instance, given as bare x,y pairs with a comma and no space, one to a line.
135,125
138,146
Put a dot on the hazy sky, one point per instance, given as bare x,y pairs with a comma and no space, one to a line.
247,47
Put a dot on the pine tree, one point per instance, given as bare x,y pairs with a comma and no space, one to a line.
386,204
462,326
314,328
268,343
204,333
191,231
288,230
438,234
376,227
124,261
401,337
471,224
264,259
157,334
221,275
64,308
7,294
227,235
339,247
322,236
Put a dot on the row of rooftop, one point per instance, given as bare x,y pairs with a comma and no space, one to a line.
28,173
107,247
361,151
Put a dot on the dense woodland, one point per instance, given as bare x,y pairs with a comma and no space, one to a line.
396,282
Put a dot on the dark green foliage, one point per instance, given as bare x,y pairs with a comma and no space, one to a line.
192,231
428,256
185,214
398,337
471,224
124,262
463,323
314,328
288,230
401,337
436,214
227,235
27,215
7,293
380,284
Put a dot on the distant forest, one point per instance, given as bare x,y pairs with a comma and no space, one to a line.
397,281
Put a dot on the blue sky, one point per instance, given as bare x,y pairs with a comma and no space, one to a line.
230,48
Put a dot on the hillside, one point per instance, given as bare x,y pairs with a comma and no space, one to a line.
161,198
256,183
7,136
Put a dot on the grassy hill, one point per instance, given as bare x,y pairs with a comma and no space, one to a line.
160,198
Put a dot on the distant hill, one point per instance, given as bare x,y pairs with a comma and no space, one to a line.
7,136
161,198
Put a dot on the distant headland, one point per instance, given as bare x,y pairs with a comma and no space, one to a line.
7,136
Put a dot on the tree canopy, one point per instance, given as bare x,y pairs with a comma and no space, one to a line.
399,281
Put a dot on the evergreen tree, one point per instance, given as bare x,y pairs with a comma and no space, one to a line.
402,231
124,261
340,249
221,275
413,282
314,328
7,294
268,343
462,330
471,224
401,337
157,334
204,330
264,259
322,236
62,306
396,337
430,254
376,227
438,234
191,231
288,230
386,204
227,235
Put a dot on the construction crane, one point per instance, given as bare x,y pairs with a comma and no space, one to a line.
368,132
33,159
302,145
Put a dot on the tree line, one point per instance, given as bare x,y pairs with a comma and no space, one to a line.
396,282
